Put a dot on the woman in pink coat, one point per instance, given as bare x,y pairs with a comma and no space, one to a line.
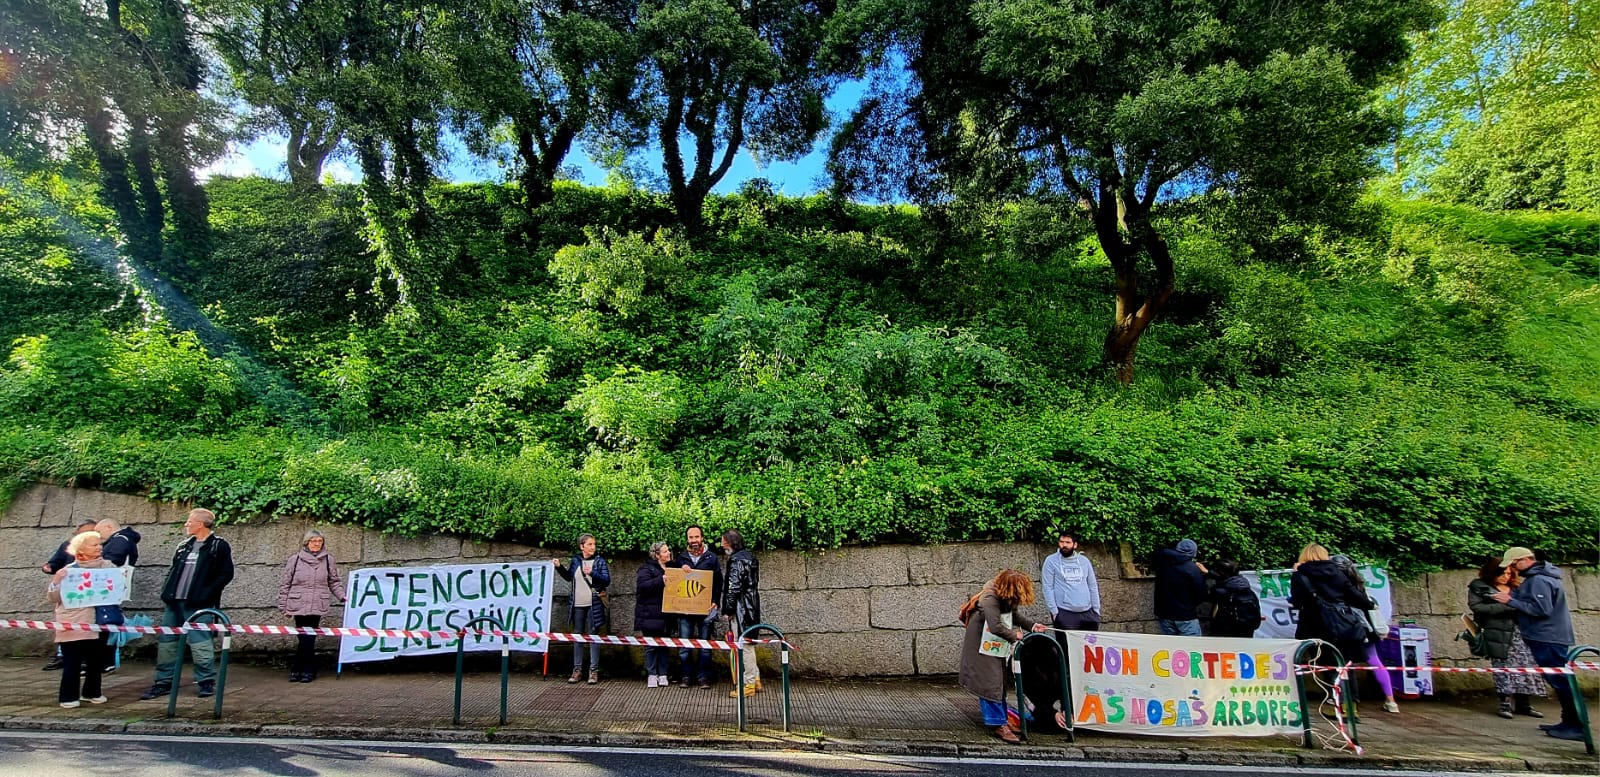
311,584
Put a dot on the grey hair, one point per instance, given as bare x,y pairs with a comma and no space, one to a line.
76,543
109,523
655,547
312,534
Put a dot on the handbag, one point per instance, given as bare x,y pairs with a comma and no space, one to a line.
1344,624
991,645
1477,645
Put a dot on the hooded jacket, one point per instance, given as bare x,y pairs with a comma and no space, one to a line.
1180,585
1541,605
122,547
1238,608
1323,580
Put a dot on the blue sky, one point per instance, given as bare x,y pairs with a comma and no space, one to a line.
265,157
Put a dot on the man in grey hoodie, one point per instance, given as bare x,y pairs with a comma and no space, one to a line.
1546,626
1070,589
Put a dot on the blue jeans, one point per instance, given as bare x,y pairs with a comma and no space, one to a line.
581,624
200,645
1550,654
695,627
1188,628
656,658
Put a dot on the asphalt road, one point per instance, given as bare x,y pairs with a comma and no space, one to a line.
25,754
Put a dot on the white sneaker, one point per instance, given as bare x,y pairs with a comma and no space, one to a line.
663,682
97,700
1390,706
652,682
69,705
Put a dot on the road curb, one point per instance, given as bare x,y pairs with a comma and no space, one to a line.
779,742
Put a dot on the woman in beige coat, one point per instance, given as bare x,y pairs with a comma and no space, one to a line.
81,651
995,610
311,584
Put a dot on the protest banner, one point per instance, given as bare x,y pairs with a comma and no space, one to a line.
82,587
1183,686
687,593
1278,620
445,598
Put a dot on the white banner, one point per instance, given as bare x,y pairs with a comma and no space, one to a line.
445,598
1183,686
82,587
1278,620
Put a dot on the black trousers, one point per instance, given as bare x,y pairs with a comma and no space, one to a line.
305,651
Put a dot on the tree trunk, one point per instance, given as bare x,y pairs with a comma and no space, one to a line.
1135,310
116,190
308,149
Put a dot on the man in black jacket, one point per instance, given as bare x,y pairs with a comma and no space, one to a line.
1180,587
741,602
201,568
698,556
121,543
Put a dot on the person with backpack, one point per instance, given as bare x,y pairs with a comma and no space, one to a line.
1238,612
1502,645
1332,605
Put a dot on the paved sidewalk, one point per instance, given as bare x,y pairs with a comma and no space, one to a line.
914,716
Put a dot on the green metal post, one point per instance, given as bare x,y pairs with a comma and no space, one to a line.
1066,683
1300,684
505,663
216,615
738,670
1577,694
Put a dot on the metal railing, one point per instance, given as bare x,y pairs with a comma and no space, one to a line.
1344,682
1577,695
1066,683
216,615
738,670
505,663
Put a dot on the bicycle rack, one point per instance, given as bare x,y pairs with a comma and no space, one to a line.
1066,683
222,662
1300,685
505,663
1577,695
738,671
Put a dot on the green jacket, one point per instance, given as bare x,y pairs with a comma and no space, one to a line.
1497,621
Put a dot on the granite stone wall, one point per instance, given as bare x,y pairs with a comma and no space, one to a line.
885,610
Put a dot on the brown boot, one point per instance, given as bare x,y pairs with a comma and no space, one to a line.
1007,735
577,674
749,690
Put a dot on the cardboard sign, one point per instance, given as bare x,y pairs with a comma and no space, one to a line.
95,587
1183,686
688,593
445,598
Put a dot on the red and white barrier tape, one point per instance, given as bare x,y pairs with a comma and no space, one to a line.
1568,669
551,636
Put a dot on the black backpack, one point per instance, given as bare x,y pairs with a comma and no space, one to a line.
1241,606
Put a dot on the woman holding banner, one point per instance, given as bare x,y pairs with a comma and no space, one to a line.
647,615
590,577
1320,584
82,650
994,625
311,583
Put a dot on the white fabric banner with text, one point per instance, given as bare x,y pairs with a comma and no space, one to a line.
1278,620
445,598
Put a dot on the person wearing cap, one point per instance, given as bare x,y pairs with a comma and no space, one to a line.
1180,588
1546,626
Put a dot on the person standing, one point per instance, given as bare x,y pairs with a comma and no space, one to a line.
81,651
121,542
1546,626
1180,587
1318,579
52,565
311,583
1071,590
994,611
1498,624
741,603
1238,612
590,576
697,556
647,615
201,568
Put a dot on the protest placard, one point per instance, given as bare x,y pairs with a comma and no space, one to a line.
1278,621
82,587
688,593
445,598
1183,686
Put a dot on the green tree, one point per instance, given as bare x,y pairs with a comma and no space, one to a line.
1110,106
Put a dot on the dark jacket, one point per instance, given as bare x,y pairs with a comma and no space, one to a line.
647,615
1180,585
1238,611
1323,580
122,548
1497,622
601,577
741,596
61,558
1541,605
708,562
213,571
310,584
986,675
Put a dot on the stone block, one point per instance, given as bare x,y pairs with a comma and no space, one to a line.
854,654
344,543
57,506
474,550
782,570
126,509
938,651
504,549
971,562
27,506
1442,630
1126,600
1411,597
835,609
173,512
387,548
253,586
858,567
1447,591
25,594
1585,589
918,607
28,549
264,543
